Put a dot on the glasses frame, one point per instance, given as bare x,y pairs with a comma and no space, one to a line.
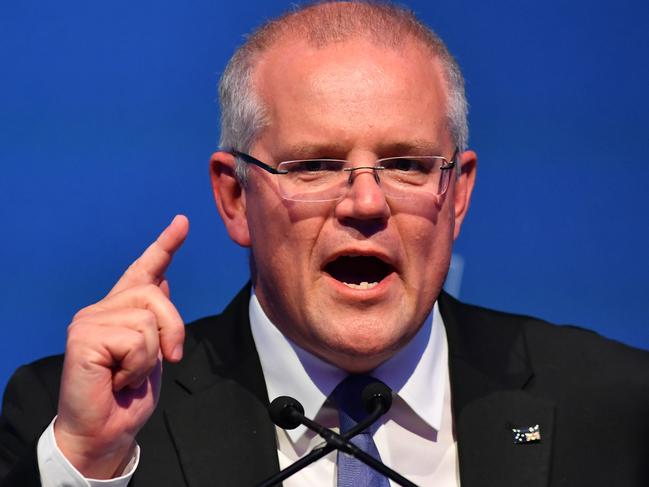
248,159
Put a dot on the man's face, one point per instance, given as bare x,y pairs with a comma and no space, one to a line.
356,101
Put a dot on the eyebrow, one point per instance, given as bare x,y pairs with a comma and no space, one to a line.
338,150
307,151
413,147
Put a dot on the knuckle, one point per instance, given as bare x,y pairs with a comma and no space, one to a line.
149,293
151,288
142,361
144,348
173,329
74,329
83,312
77,338
139,343
138,273
147,318
134,362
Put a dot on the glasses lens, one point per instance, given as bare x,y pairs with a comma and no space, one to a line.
406,177
399,177
313,179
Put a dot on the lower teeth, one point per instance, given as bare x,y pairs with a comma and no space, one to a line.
362,285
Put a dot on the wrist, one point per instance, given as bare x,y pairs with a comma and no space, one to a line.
94,459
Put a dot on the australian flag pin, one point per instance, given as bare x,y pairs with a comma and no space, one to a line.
527,434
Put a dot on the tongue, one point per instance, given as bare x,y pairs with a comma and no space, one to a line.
356,270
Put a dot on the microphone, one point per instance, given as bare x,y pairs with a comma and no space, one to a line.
287,413
282,412
377,394
376,397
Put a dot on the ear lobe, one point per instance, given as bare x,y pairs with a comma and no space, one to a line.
468,161
230,197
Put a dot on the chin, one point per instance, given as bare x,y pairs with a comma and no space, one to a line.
362,347
357,361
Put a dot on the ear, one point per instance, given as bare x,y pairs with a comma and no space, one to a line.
230,197
468,161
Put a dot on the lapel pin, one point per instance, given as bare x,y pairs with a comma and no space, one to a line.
528,434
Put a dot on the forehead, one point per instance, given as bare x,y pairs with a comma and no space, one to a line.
351,90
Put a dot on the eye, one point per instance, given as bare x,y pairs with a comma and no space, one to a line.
406,164
316,165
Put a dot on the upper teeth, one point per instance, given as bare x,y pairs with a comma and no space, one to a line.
362,285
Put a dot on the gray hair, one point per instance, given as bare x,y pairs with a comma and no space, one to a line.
243,113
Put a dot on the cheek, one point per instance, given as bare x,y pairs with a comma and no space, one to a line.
283,238
427,244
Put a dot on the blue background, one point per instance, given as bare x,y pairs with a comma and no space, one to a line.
108,118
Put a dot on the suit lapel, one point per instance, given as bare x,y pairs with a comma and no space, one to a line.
223,437
218,419
489,369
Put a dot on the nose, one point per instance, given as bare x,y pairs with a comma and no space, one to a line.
364,199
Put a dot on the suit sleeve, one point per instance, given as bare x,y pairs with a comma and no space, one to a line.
28,406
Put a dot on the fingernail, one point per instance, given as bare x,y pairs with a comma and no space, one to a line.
177,353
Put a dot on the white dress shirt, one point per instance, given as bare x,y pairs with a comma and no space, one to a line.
57,471
415,437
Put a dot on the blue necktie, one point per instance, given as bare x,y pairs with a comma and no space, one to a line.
353,472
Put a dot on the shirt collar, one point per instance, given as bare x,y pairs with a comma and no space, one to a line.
416,373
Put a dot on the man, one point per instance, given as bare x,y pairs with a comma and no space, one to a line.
344,169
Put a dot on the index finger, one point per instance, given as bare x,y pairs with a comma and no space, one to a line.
150,267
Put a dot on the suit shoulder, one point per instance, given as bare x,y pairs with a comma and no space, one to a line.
580,357
471,315
577,351
584,350
222,333
44,373
539,332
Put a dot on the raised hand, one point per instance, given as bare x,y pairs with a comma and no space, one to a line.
113,362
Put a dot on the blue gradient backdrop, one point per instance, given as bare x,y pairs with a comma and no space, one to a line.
108,118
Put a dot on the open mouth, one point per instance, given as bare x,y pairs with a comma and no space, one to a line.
358,272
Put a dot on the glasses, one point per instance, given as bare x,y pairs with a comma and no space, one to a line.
330,179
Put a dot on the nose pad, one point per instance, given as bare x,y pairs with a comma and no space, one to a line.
356,172
352,173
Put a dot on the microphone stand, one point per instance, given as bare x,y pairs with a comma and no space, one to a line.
340,442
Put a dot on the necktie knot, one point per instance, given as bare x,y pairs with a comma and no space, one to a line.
348,398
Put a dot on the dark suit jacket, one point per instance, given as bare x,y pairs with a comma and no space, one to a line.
589,395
